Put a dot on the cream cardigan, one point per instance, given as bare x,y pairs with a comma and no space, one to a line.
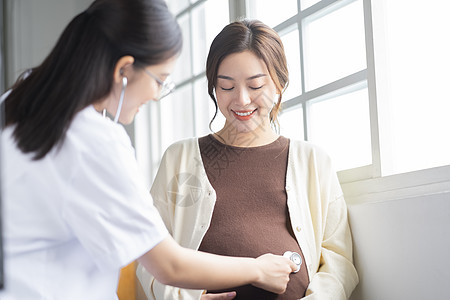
185,199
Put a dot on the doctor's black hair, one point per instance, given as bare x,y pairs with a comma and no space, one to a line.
79,70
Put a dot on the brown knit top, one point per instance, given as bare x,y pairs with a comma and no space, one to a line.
250,216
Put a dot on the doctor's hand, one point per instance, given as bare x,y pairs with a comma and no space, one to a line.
221,296
274,272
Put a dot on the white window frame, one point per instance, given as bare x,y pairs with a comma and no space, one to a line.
362,184
365,77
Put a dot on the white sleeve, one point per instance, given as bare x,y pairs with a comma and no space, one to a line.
336,276
108,207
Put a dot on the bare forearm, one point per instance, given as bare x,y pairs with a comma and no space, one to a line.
173,265
191,269
217,272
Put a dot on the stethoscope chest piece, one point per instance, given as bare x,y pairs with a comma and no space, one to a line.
295,258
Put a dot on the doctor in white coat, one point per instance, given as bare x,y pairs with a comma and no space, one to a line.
75,208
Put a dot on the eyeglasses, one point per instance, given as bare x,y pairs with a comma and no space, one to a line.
166,87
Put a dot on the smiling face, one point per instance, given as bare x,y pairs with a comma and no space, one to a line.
245,94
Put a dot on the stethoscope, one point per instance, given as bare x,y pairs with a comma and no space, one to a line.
295,258
122,93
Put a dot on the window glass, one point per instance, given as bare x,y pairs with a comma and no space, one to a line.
176,6
291,123
334,44
307,3
219,121
208,19
183,67
417,103
292,50
341,125
204,107
271,12
176,115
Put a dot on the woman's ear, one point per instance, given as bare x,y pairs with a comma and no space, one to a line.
121,67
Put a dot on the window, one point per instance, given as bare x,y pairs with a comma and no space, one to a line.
333,90
328,96
271,12
368,88
188,111
413,77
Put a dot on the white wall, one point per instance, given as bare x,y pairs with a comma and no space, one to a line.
32,29
401,237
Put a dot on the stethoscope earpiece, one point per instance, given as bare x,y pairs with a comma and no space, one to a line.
122,93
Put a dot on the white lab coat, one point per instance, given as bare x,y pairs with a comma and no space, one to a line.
72,219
